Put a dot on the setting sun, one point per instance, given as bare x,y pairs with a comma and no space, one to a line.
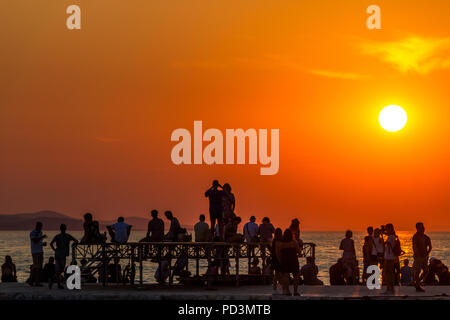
392,118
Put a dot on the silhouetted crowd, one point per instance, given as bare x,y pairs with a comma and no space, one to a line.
381,248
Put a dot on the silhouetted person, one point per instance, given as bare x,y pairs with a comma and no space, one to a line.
421,248
86,273
37,253
201,229
430,278
115,271
179,268
377,253
369,231
9,270
266,230
287,252
348,247
155,231
215,206
228,202
354,279
295,229
337,274
406,272
309,273
254,268
92,231
175,227
443,275
119,231
366,251
221,255
62,251
268,270
391,254
251,230
277,278
230,231
49,272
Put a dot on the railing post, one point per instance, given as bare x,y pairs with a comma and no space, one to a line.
249,255
197,261
74,253
141,267
236,254
104,263
263,255
170,265
159,262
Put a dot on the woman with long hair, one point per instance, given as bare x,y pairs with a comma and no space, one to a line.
275,265
9,270
287,252
295,229
228,203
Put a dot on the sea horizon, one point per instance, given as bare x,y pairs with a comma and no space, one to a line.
17,244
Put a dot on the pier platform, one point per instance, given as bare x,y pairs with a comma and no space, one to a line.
21,291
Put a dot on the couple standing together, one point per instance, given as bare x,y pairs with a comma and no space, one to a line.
221,205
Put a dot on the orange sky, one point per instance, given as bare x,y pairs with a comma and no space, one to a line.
86,116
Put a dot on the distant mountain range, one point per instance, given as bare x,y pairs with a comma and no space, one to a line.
52,220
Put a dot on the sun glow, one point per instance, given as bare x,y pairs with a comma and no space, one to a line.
392,118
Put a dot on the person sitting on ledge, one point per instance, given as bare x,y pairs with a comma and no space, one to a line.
49,272
155,230
92,231
251,231
9,270
268,269
202,232
86,273
231,228
115,271
162,273
255,269
119,231
406,274
174,229
444,276
309,272
337,273
430,277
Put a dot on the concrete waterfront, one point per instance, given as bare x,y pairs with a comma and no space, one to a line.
22,291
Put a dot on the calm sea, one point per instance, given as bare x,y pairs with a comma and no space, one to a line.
17,245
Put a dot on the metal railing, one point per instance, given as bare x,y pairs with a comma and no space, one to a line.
98,256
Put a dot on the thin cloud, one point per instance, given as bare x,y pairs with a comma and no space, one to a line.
412,54
107,140
267,61
199,64
338,75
